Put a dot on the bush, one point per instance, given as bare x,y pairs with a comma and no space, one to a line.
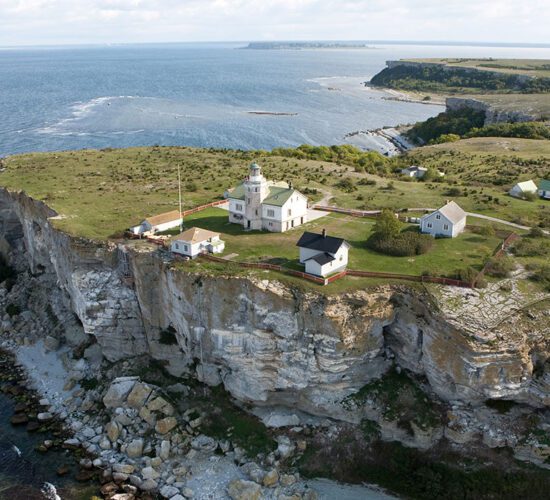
542,275
346,185
500,268
404,244
13,310
191,186
470,275
536,232
531,247
453,192
387,225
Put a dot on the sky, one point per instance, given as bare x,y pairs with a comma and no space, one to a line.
46,22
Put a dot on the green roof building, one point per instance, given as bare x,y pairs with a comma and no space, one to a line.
263,205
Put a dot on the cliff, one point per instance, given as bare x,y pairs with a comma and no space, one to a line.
273,345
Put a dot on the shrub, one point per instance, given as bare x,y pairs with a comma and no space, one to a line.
531,247
13,310
453,192
387,225
191,186
530,196
469,275
404,244
484,230
500,268
542,275
536,232
346,185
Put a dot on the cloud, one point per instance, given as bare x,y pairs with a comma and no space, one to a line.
27,22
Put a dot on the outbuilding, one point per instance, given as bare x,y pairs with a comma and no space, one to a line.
448,221
323,255
158,223
195,241
521,189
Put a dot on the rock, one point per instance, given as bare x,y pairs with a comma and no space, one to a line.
148,485
165,425
120,477
135,448
187,493
180,471
71,444
84,476
178,389
51,343
33,426
19,419
139,395
281,420
168,491
43,402
287,479
113,430
123,496
240,489
105,444
286,448
93,355
164,450
63,470
118,391
149,473
124,468
271,478
204,443
148,416
160,404
156,462
178,497
108,489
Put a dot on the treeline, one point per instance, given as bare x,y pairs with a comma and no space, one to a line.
345,154
458,122
444,78
466,123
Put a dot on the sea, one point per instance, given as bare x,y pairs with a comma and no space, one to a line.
208,95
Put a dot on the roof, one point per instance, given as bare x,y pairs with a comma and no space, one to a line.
195,235
527,186
452,212
414,168
278,196
163,218
237,193
315,241
544,185
322,258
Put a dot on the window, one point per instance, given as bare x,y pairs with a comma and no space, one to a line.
446,226
186,248
429,224
438,216
177,245
248,201
341,257
270,224
289,212
270,212
238,207
256,190
256,211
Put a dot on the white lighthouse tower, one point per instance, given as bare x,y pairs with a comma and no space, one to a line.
256,190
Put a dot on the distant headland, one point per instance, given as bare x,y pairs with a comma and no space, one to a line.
306,45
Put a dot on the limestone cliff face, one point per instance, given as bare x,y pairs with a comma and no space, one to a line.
270,344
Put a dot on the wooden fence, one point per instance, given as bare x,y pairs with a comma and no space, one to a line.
348,211
500,251
185,213
334,277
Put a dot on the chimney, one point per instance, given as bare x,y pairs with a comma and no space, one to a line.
324,233
289,184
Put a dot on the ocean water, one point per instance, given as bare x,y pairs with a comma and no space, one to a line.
202,95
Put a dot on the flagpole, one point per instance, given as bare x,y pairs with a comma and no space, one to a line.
179,194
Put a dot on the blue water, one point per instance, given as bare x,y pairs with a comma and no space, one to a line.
201,95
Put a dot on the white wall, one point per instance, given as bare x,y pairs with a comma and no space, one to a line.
438,225
179,246
307,253
167,225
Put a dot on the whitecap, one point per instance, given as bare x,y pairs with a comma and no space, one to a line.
17,450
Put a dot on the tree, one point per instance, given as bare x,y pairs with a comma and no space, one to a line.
387,225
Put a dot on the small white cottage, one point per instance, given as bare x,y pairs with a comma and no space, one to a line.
195,241
323,255
448,221
158,223
523,188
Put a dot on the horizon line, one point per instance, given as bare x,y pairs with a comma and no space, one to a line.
471,43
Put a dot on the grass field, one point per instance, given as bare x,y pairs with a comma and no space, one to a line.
446,256
98,194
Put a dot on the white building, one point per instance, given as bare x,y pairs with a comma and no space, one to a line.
448,221
323,255
159,223
523,188
260,204
195,241
414,171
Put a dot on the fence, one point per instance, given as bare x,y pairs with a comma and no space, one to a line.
497,255
349,272
185,213
348,211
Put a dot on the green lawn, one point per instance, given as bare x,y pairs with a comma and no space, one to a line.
446,256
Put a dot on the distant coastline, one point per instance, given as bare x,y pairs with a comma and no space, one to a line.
306,45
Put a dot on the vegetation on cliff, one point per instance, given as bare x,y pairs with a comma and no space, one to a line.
436,77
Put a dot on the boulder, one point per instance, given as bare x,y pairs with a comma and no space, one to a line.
148,416
139,395
159,404
204,443
135,448
168,491
271,478
164,452
281,420
44,417
148,485
165,425
113,430
286,448
51,343
149,473
118,391
244,490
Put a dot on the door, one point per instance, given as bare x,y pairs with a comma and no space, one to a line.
248,224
